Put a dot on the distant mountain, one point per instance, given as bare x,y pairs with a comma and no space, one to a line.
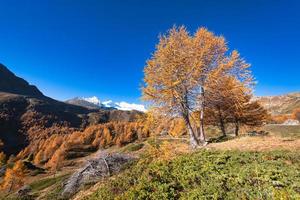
281,104
26,115
84,103
10,83
94,102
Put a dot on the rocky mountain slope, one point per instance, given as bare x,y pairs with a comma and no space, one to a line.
84,103
27,115
282,104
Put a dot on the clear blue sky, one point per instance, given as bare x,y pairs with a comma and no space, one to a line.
99,47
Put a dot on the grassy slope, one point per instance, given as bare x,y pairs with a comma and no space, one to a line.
214,172
209,175
251,169
284,130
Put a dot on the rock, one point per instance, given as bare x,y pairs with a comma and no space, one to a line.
2,170
164,133
102,166
291,122
258,133
24,193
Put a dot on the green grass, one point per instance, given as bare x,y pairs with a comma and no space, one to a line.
133,147
284,130
209,175
54,193
46,182
50,188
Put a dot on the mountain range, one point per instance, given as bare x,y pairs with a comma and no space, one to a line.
94,102
281,104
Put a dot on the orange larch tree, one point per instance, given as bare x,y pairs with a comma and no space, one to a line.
180,70
14,178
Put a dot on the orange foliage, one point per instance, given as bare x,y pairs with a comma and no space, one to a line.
177,127
14,178
279,119
55,149
56,161
58,147
296,114
2,159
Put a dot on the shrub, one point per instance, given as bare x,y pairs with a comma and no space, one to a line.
209,175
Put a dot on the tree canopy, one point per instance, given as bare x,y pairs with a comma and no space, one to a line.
189,73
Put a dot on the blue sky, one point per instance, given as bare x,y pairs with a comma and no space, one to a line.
99,47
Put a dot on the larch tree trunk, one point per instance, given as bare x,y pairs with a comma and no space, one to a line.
222,124
201,127
237,128
193,139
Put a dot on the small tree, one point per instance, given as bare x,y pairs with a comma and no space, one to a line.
2,159
2,155
253,115
14,178
56,161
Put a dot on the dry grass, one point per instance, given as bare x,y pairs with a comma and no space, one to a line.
258,143
283,130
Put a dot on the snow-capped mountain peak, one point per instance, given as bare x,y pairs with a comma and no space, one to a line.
92,102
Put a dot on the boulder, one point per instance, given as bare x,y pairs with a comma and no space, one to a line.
103,165
24,193
292,122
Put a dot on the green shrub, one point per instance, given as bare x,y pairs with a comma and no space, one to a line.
209,175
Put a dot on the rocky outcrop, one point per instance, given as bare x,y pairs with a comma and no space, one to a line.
103,165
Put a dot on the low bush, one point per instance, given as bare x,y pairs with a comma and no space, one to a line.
208,175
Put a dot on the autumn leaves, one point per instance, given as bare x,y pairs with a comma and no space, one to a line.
197,78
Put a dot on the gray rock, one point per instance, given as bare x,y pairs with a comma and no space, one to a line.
103,165
291,122
24,192
2,170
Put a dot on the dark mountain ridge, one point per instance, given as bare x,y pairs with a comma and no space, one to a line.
10,83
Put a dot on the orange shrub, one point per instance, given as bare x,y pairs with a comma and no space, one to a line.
279,119
296,114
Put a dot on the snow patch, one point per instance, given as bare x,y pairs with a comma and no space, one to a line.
118,105
93,100
130,106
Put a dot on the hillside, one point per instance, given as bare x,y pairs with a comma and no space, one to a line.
282,104
10,83
252,167
27,115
